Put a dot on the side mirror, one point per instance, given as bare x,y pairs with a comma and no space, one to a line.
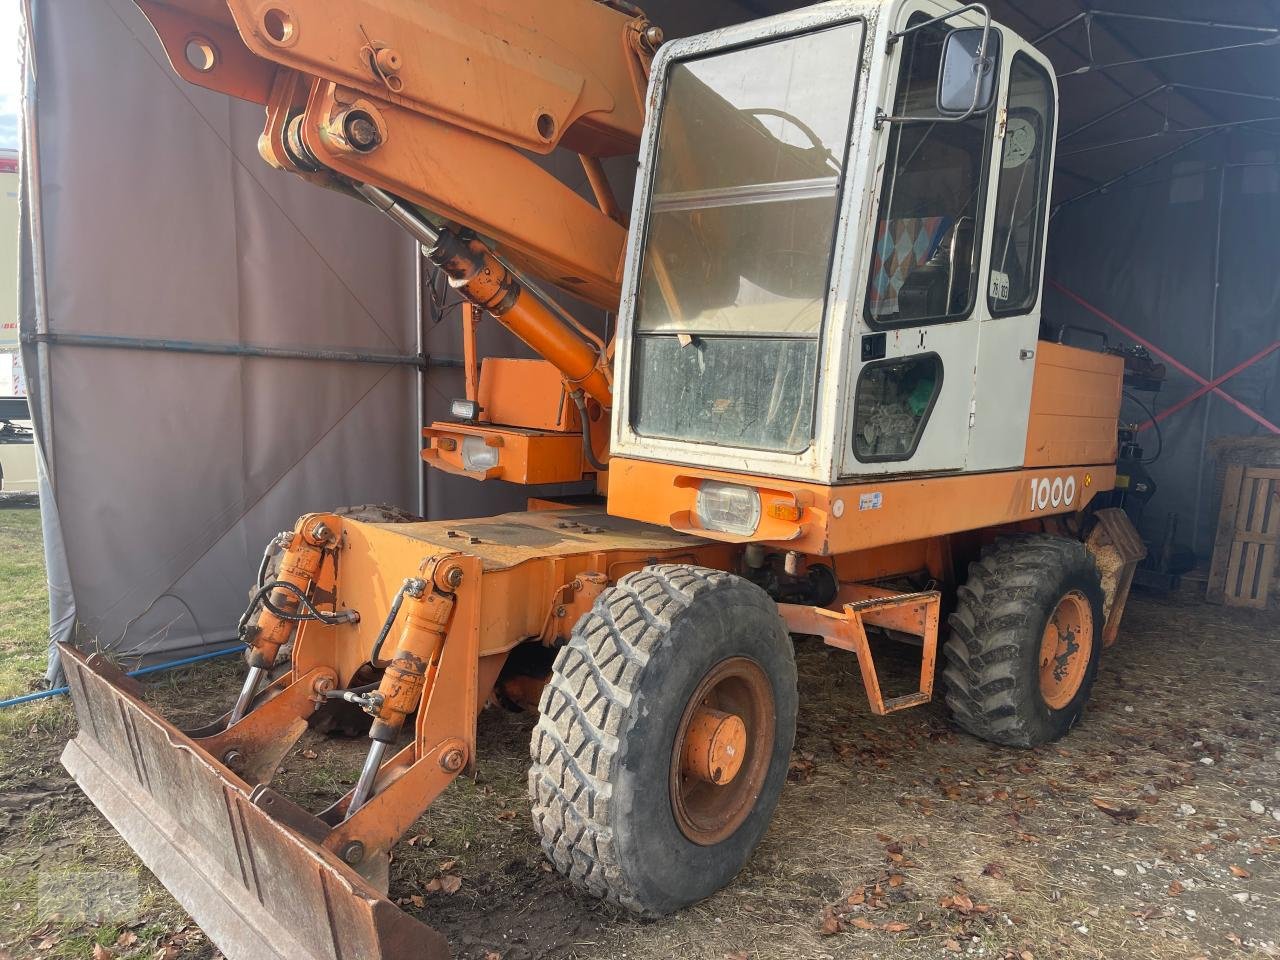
967,78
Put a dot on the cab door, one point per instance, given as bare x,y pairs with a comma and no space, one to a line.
1022,175
916,347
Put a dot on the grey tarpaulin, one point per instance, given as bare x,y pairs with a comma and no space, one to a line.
156,218
1185,255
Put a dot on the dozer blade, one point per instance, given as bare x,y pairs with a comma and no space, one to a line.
258,889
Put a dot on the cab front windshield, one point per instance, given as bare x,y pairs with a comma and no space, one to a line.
740,228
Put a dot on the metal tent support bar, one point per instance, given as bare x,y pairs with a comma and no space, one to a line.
140,672
1166,88
1169,132
1088,15
235,349
1154,161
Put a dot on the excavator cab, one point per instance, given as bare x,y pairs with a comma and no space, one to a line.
835,271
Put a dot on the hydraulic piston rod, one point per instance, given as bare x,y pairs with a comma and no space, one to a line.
478,275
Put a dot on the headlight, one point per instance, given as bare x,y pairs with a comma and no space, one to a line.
478,456
728,508
465,410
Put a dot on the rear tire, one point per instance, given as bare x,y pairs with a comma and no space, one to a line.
1025,641
608,792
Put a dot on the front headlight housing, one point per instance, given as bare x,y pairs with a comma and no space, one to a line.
728,508
478,456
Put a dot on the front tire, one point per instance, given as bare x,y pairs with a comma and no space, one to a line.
620,808
1025,641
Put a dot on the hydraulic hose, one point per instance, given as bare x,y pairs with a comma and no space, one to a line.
588,450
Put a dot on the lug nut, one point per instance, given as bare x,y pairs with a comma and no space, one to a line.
453,760
233,759
653,37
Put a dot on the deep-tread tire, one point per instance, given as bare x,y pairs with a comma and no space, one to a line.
609,717
992,674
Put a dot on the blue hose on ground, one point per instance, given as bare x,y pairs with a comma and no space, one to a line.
140,672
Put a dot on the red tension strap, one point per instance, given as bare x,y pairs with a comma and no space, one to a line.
1206,385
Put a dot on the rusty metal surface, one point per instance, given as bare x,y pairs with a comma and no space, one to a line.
915,613
258,890
512,538
1117,549
710,804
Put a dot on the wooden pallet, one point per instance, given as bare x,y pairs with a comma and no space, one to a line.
1247,546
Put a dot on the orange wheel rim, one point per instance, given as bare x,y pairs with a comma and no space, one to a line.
736,690
1066,649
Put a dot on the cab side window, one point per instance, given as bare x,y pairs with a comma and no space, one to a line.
925,252
1023,195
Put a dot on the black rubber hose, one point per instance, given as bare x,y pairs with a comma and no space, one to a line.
386,627
588,451
1155,423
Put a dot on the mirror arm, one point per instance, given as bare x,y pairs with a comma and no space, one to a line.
882,118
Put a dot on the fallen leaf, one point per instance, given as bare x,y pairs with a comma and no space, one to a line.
102,953
309,754
1240,872
448,865
1235,938
862,923
126,939
830,925
1176,888
994,871
507,815
451,884
421,838
952,945
895,879
895,927
1115,810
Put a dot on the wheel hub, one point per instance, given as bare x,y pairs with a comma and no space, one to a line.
1066,648
722,750
714,746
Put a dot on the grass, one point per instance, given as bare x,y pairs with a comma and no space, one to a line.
24,603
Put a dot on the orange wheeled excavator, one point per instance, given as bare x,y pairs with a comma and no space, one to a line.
827,410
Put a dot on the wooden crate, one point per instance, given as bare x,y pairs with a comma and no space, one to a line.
1247,546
